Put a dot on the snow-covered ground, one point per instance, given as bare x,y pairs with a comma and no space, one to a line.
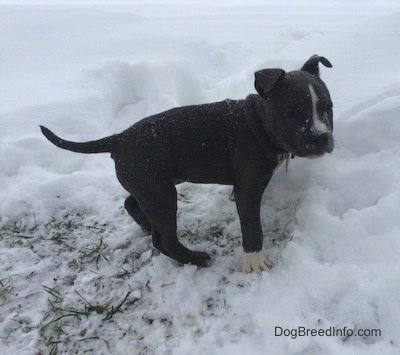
78,275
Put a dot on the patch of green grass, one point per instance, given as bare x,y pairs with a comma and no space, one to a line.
79,244
94,253
53,323
53,292
189,231
6,287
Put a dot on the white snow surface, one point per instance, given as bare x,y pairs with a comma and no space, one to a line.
69,253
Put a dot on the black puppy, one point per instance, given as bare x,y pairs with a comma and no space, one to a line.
238,143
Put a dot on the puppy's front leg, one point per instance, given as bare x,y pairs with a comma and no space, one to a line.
248,202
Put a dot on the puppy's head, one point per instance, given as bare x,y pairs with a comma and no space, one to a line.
297,108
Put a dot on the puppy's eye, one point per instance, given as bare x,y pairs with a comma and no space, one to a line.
291,114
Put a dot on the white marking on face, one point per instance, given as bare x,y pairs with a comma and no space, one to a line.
319,125
255,262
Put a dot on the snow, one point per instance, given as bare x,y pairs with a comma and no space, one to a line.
331,225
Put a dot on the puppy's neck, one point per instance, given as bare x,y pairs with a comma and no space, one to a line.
272,150
263,114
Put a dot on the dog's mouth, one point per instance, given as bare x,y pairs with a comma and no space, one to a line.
311,154
313,151
311,146
315,156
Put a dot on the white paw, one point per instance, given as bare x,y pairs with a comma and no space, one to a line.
255,262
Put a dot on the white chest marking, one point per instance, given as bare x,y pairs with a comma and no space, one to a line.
319,126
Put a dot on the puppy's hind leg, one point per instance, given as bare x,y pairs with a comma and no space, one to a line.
160,206
169,245
134,210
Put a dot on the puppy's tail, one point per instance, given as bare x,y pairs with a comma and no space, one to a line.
104,145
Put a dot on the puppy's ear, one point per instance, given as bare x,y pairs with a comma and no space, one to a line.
311,65
267,80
